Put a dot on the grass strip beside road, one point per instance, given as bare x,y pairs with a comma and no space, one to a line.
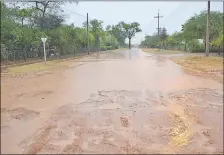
41,66
161,51
32,67
206,66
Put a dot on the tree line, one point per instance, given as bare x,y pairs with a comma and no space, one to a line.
22,27
188,38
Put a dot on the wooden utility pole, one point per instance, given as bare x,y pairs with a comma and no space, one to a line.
207,30
87,22
158,23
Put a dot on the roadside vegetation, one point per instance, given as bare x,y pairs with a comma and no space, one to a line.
31,67
23,25
34,67
188,38
191,39
161,51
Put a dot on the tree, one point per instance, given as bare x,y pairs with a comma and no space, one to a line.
47,12
192,30
96,28
195,27
23,14
118,32
151,41
171,41
179,39
131,30
163,36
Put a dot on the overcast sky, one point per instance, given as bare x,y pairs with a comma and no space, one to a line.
174,13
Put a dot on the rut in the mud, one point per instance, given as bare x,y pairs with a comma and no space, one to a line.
126,122
134,103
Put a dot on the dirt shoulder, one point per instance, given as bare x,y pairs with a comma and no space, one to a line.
210,67
194,63
33,68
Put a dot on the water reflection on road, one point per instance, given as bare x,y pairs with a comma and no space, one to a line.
140,103
129,102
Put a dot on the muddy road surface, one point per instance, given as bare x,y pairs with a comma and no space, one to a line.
112,102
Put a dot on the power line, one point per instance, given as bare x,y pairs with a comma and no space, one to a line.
70,12
76,13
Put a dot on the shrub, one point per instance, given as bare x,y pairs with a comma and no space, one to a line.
103,48
202,50
198,50
109,48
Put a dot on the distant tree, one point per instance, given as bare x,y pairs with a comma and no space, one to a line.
118,32
130,30
163,36
195,27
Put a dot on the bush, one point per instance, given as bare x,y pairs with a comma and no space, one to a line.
109,48
198,50
202,50
103,48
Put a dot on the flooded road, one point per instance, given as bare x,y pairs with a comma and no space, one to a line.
113,102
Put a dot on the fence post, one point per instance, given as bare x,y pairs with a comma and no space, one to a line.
14,56
7,55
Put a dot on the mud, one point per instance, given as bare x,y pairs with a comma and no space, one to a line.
114,102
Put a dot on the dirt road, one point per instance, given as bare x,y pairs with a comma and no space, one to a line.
113,102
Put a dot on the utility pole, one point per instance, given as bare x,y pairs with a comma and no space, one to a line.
207,31
158,23
87,22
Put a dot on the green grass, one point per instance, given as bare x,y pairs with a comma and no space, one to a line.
35,67
31,67
161,51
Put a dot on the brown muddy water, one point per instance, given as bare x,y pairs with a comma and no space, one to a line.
112,102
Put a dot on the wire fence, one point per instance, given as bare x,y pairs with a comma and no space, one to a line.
67,40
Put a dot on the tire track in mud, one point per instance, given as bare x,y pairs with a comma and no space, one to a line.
19,113
188,133
75,146
40,140
181,131
16,115
128,122
98,116
43,140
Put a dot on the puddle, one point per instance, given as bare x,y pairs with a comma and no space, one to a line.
129,104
